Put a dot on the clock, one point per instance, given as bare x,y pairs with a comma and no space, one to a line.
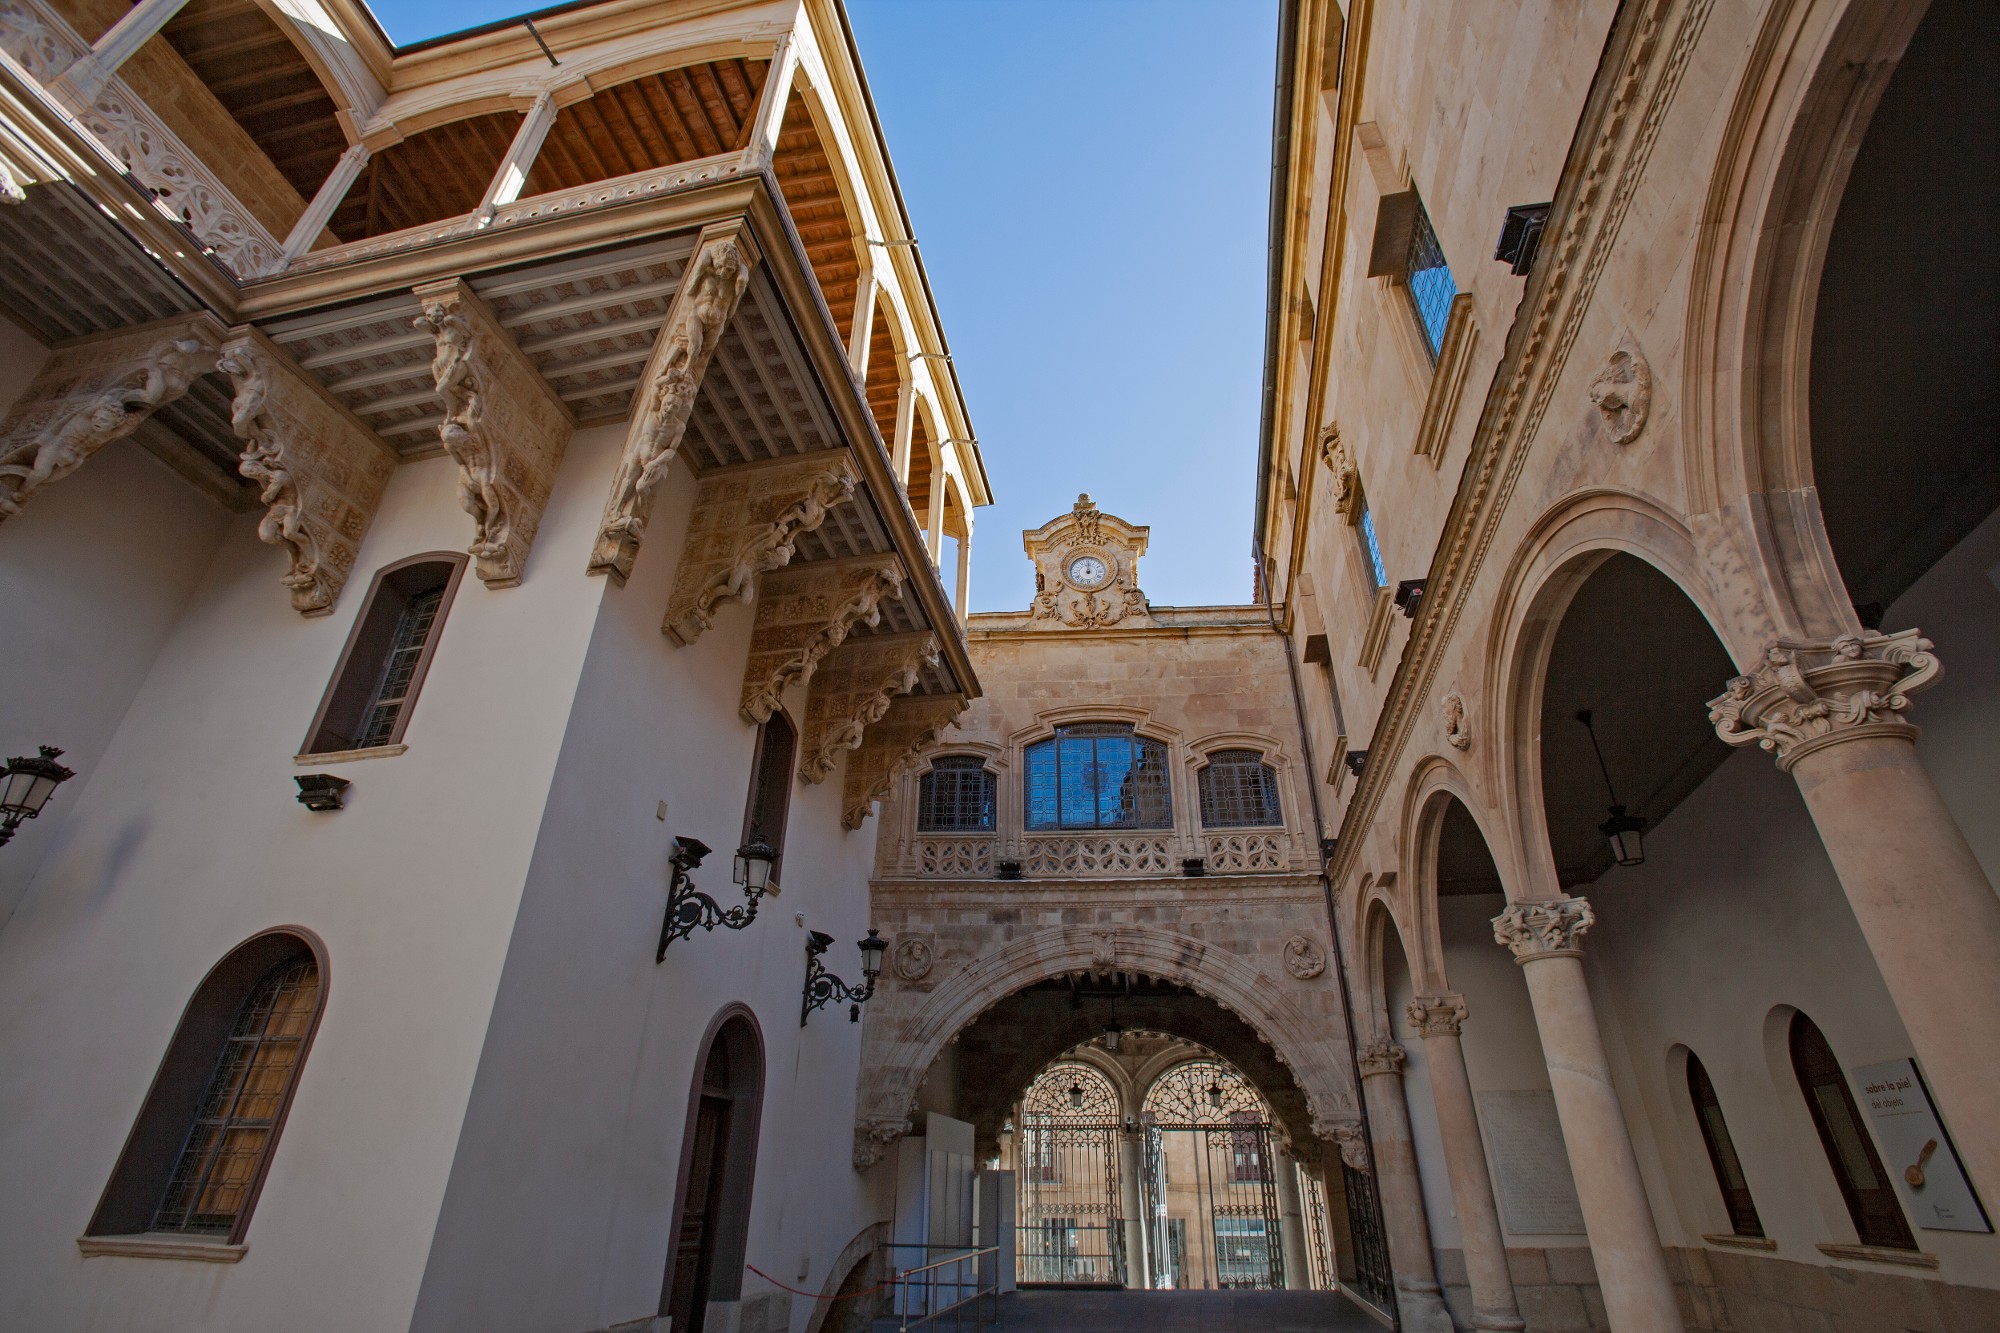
1088,571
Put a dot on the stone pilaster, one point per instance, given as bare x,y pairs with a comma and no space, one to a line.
805,612
503,426
745,522
852,690
891,746
703,305
91,393
320,474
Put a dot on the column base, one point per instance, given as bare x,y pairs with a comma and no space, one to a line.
1510,1323
1422,1308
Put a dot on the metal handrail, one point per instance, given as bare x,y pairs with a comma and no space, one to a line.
906,1280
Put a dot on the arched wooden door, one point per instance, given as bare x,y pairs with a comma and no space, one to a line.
718,1165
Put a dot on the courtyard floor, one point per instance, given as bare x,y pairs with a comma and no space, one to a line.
1051,1311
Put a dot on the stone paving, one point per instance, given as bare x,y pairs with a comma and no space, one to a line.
1173,1312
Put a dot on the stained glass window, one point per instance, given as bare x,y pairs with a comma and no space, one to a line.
1098,775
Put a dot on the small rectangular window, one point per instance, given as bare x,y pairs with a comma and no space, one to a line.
374,689
1371,547
1428,280
771,788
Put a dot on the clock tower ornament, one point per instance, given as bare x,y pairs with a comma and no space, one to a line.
1087,570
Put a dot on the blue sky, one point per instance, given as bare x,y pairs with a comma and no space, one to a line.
1089,181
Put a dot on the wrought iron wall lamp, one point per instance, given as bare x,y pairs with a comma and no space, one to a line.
688,907
26,785
822,986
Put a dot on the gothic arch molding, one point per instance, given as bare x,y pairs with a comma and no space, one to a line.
1816,71
893,1065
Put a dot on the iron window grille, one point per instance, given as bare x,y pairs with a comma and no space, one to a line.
399,669
1239,790
219,1162
1371,548
956,796
1428,280
1098,775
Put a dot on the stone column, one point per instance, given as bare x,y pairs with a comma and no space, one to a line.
511,177
1624,1243
1833,716
863,326
934,519
1437,1019
906,425
1291,1221
964,567
1405,1224
1131,1204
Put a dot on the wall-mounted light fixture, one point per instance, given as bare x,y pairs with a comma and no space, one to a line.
321,791
1521,235
1076,1096
688,907
1409,596
822,986
1215,1095
1008,869
1625,832
26,785
1194,867
1356,761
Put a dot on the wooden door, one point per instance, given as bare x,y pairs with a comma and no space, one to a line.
694,1245
1871,1198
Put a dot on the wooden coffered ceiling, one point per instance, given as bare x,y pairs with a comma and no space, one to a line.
651,122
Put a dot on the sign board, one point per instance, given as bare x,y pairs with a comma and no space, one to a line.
1524,1145
1915,1149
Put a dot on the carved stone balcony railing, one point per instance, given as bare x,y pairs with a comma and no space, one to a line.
1106,855
39,43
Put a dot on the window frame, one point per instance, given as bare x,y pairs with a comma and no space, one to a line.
1737,1202
788,769
367,626
1850,1190
1374,565
1054,741
1234,757
1424,238
962,764
153,1146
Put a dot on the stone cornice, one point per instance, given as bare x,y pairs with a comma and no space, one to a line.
1646,54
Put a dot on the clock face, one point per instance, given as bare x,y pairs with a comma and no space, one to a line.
1088,571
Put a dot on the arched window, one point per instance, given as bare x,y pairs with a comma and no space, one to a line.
1239,790
1098,775
1871,1199
388,652
718,1168
1722,1152
197,1155
956,796
771,788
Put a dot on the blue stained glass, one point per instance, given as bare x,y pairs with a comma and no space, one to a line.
1043,811
1098,775
1377,570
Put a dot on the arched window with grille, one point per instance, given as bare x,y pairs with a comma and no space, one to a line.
1729,1177
956,796
1864,1185
1093,775
1239,790
374,689
199,1151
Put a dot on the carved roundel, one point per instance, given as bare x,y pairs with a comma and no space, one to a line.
1303,958
1088,570
913,958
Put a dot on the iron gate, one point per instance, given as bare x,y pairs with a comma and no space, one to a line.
1067,1228
1372,1275
1210,1193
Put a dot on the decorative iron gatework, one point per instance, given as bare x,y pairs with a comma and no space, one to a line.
1068,1231
1210,1182
1373,1278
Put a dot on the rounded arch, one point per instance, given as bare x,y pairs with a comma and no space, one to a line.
1816,70
717,1173
895,1060
1435,784
1383,922
1569,543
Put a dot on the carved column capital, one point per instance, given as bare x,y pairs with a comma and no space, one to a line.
1806,696
852,691
1546,929
872,1138
1436,1015
745,523
91,393
891,746
1383,1055
503,426
319,473
805,612
705,302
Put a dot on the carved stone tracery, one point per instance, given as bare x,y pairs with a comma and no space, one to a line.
503,426
890,747
91,393
1805,696
709,293
852,690
319,472
745,523
804,612
1551,928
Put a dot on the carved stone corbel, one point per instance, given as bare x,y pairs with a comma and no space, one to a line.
803,613
319,472
1342,479
1806,696
744,524
503,426
872,1139
1346,1133
853,689
93,392
703,305
891,747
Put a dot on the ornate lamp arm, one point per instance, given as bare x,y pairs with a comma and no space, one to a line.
688,907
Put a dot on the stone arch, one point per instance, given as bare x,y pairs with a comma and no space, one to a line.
1563,548
1816,70
1433,786
894,1062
